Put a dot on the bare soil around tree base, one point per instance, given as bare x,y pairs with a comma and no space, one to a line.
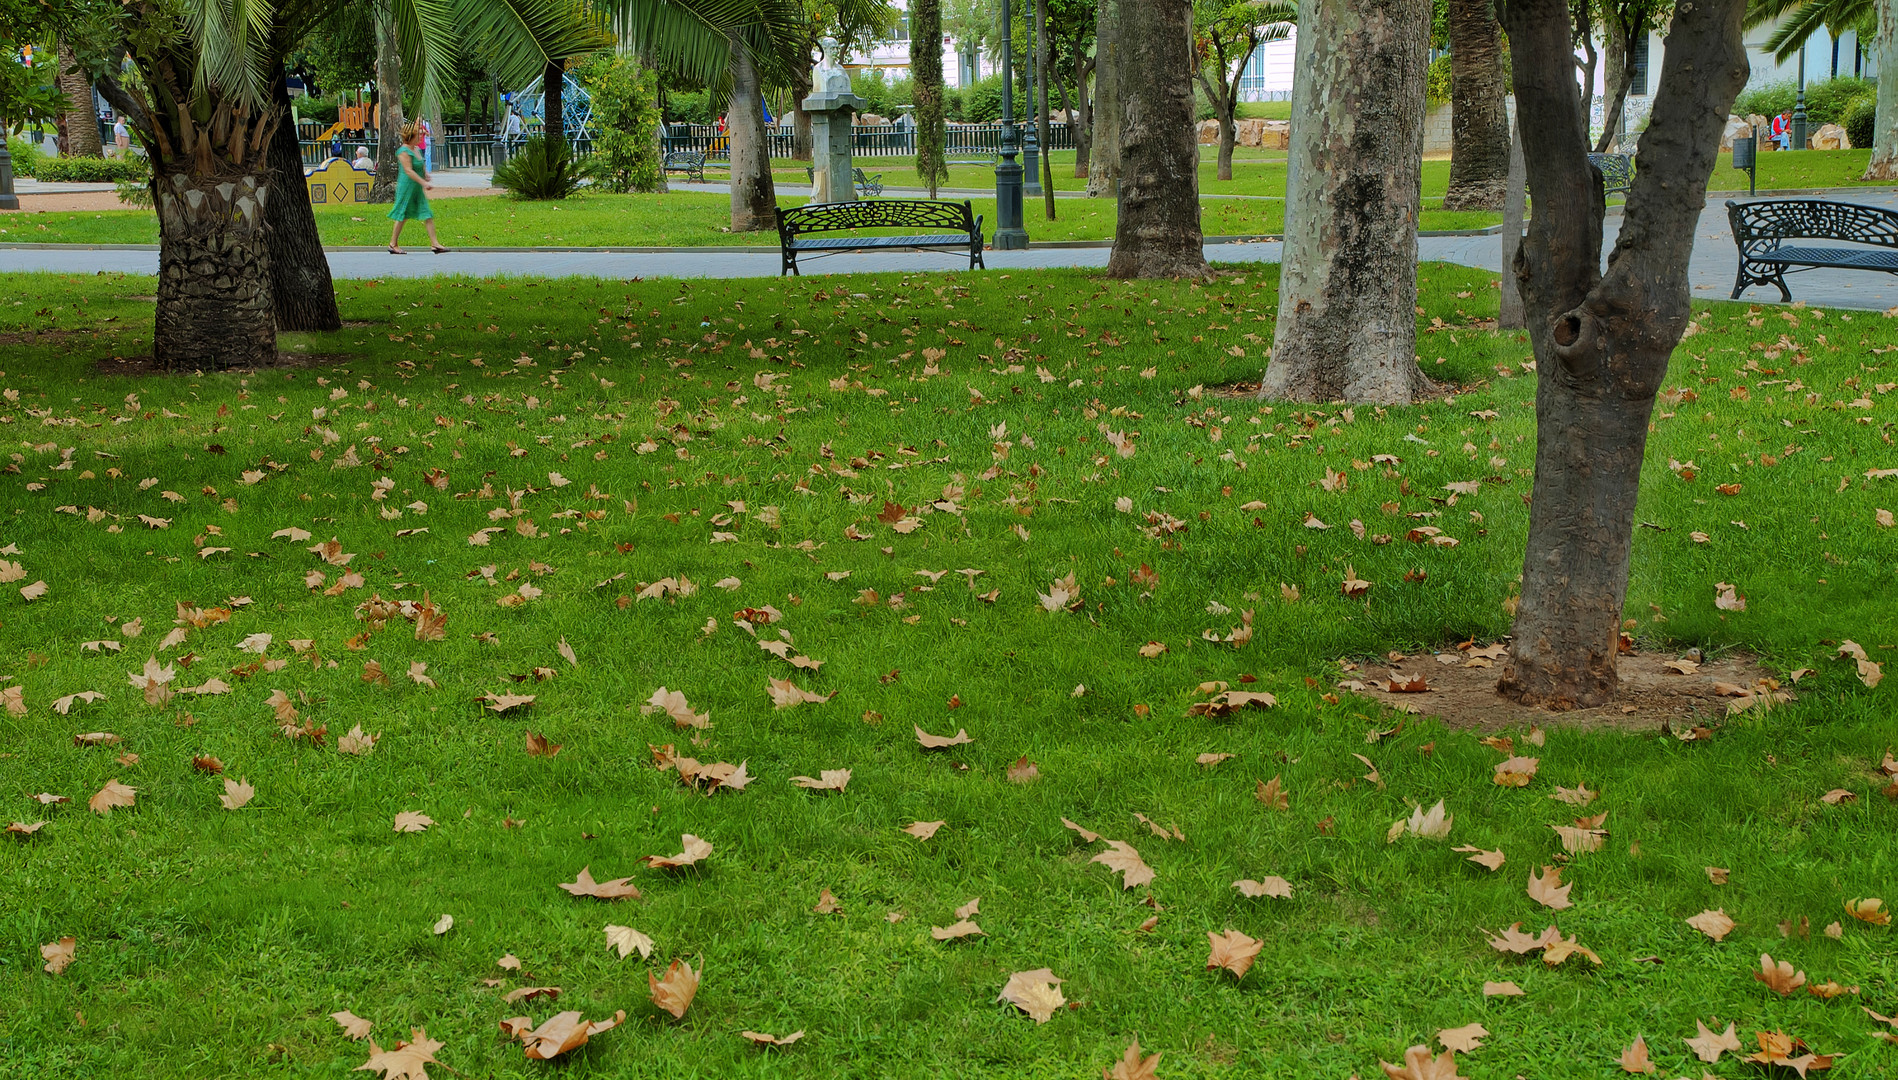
1653,693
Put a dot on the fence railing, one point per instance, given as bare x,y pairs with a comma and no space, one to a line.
867,140
456,151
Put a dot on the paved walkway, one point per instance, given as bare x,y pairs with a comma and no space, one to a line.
1710,269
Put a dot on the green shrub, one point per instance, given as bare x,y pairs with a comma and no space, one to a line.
92,170
27,157
1826,102
1861,122
540,169
688,108
135,193
625,121
323,112
982,101
1437,81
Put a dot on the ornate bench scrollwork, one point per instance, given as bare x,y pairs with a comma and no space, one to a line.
1762,228
796,225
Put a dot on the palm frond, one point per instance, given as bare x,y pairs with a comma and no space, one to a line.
1810,17
233,54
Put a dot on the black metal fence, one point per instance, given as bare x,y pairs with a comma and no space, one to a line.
867,140
458,150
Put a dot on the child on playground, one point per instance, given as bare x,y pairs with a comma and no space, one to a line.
411,192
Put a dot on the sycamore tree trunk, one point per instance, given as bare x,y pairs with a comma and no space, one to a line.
1081,120
1617,77
1157,234
753,198
1602,341
803,80
389,105
82,114
1347,324
1103,163
302,295
1479,115
926,73
1884,161
1042,51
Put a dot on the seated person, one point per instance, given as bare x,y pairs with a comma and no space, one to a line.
336,146
363,160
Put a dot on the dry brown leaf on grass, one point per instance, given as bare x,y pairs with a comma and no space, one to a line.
584,885
1516,771
58,954
1232,701
1779,976
1502,989
528,993
673,704
1714,924
1023,771
1868,911
1463,1040
1433,824
674,992
693,849
443,925
1209,760
1419,1064
501,703
356,742
63,706
1635,1058
353,1026
1086,835
1778,1048
1837,796
111,795
826,780
561,1033
1577,840
1718,874
25,828
763,1038
941,742
960,929
1037,993
408,1061
538,746
626,940
1271,886
1132,1066
97,738
784,694
1272,793
1232,951
412,821
1122,858
1561,948
1549,891
1708,1046
923,830
237,793
1489,860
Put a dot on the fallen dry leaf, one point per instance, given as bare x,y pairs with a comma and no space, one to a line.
1516,772
1272,793
1548,889
443,925
1635,1058
784,694
236,793
408,1061
962,929
941,742
1463,1040
356,742
1778,1048
1122,857
1708,1046
584,885
1132,1066
1717,874
1868,911
626,940
1714,924
675,991
923,830
1086,835
693,849
1037,993
1233,951
1023,771
826,780
1779,976
353,1026
1501,989
1489,860
111,795
561,1033
58,954
1271,886
1420,1065
412,821
766,1039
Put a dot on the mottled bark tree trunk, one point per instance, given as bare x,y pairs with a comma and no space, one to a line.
1884,160
302,295
801,121
926,72
389,106
1103,163
1602,342
1347,324
1617,75
753,197
82,113
1081,120
1158,234
1479,115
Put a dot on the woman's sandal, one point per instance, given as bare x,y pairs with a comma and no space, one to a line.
393,251
438,249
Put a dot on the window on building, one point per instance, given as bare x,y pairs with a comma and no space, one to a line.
1638,65
900,32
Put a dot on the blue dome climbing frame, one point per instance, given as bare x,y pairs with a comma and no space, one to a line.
576,106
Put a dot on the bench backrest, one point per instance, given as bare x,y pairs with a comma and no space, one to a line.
1763,224
877,214
685,157
1617,170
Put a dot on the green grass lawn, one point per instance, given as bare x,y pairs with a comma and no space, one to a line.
531,456
681,219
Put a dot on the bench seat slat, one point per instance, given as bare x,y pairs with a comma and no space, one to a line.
959,240
1845,258
1781,236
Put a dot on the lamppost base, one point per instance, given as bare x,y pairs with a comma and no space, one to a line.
1011,239
9,202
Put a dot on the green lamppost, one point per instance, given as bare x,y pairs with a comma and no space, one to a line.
1009,234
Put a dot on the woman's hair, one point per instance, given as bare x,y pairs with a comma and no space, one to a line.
409,131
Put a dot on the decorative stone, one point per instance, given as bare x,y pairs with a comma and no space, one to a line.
1829,137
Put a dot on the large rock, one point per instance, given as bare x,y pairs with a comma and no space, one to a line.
1251,132
1278,135
1208,132
1736,129
1829,137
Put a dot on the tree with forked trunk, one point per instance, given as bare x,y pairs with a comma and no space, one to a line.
1347,326
1227,35
1479,116
1601,340
1157,233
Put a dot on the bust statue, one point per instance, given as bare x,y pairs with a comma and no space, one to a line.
831,77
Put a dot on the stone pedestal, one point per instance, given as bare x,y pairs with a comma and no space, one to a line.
832,112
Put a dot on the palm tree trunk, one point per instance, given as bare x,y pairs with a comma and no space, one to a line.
82,114
214,306
753,198
553,81
302,295
389,103
1479,116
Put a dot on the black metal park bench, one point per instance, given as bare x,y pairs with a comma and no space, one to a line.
796,225
1617,172
689,162
1761,229
867,186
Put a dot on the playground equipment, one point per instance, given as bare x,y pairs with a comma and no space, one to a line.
576,108
337,181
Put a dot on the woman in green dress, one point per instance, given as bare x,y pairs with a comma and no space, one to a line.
411,191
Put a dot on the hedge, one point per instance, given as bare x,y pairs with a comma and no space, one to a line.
89,170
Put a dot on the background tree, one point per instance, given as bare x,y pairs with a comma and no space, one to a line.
81,113
1103,163
1071,25
1347,326
1602,341
1226,35
1041,106
754,199
626,154
1158,233
1479,115
1874,19
854,24
1624,27
925,25
388,105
